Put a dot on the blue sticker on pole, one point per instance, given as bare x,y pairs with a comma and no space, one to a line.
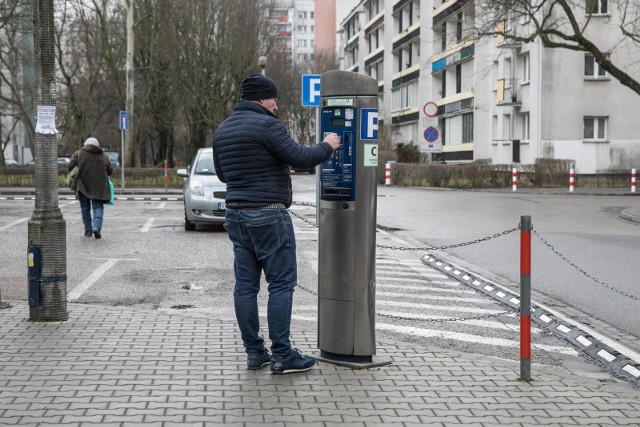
311,90
124,120
368,124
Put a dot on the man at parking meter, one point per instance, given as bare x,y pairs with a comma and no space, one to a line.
252,154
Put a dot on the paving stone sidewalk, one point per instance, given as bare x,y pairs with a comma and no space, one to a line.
126,366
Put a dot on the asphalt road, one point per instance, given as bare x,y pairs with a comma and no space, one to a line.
586,230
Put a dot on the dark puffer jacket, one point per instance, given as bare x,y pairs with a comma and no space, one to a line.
95,168
252,152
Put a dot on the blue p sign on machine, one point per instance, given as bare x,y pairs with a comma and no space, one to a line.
124,120
311,90
369,124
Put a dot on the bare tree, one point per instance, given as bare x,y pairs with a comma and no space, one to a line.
90,61
570,24
299,120
16,71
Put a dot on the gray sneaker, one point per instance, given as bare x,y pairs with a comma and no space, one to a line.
294,362
257,361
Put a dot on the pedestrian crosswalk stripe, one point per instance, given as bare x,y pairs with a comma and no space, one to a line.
434,297
427,287
436,307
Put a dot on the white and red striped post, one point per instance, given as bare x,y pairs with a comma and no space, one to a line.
514,180
571,179
633,180
525,298
166,175
387,173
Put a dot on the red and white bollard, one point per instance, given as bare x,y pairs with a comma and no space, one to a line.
571,180
166,175
633,180
387,173
525,298
514,180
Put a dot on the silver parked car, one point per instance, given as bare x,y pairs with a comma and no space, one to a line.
203,192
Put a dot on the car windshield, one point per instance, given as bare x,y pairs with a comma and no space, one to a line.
205,165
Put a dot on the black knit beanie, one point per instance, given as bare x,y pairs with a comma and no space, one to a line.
257,87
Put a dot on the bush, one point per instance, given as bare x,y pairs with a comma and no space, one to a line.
408,153
552,172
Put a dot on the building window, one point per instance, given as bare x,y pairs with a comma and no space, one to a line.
525,68
592,68
443,84
404,97
597,7
459,29
467,128
372,9
595,128
444,37
524,135
458,78
377,71
302,15
302,28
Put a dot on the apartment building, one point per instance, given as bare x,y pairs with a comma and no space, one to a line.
463,99
296,28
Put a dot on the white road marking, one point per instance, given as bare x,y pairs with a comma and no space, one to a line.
457,336
162,205
86,284
16,222
432,297
145,228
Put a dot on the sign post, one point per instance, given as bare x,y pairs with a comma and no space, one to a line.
124,125
311,98
431,132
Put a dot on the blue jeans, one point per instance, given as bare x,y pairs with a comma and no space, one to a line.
263,240
86,204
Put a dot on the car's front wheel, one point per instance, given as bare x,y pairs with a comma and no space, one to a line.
188,225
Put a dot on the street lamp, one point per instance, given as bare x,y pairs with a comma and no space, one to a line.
262,62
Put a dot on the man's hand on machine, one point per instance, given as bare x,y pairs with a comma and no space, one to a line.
334,140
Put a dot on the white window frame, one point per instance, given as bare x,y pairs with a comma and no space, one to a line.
526,127
526,68
595,128
601,7
598,71
404,97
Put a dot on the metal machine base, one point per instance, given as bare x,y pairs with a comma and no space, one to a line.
351,361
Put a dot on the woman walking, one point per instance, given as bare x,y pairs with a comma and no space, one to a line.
93,184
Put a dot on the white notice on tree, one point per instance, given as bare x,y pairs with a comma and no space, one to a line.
46,123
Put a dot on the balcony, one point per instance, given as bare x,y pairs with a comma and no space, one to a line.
508,93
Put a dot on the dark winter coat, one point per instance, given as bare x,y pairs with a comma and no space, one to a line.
95,168
252,152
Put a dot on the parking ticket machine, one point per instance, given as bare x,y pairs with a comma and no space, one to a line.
347,218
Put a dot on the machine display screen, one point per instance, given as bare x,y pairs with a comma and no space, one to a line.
337,121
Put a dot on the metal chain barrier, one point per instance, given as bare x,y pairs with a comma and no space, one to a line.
455,245
565,259
449,319
426,248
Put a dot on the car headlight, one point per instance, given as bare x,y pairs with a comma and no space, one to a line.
196,188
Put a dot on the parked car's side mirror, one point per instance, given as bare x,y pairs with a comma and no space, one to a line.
183,172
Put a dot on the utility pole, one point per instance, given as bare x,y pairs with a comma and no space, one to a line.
47,238
130,151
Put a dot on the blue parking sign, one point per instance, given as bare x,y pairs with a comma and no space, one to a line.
369,124
311,90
